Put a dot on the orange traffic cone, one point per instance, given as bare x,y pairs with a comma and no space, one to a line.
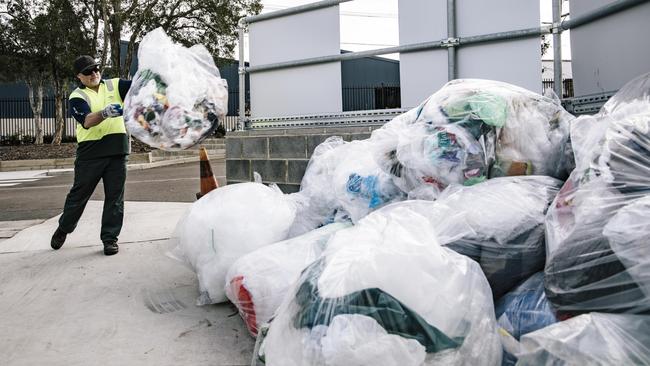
208,182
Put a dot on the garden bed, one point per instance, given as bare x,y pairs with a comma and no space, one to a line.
49,151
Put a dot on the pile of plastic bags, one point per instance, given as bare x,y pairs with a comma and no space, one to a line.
467,132
472,130
385,292
486,226
176,97
257,282
597,227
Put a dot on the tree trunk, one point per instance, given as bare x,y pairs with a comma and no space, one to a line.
129,57
59,90
116,31
106,34
93,45
37,106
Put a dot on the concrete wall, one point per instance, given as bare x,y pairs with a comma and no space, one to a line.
303,90
423,73
608,53
280,156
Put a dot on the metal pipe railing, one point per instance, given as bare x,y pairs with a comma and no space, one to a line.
557,48
242,80
451,34
599,13
347,56
294,10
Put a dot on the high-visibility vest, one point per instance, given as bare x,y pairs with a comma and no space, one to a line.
108,93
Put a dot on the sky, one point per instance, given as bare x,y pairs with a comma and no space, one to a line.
372,24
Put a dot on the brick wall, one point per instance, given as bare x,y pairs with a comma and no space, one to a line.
280,155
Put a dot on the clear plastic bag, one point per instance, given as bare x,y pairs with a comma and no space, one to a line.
257,282
342,182
177,95
524,310
589,339
589,238
385,287
472,130
226,224
499,224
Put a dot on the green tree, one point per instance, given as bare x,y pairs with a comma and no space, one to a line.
40,40
21,58
212,23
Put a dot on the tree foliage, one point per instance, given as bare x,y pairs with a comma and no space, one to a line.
39,39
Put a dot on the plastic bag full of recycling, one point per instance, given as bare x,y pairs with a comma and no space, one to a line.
590,339
524,310
257,282
226,224
385,292
591,235
472,130
177,95
343,181
499,224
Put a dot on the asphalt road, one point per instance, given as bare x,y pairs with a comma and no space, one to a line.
44,198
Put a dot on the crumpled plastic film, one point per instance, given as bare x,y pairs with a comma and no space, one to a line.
226,224
499,224
524,310
472,130
589,339
177,95
589,245
257,282
390,270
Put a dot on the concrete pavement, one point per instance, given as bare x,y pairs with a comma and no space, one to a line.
76,306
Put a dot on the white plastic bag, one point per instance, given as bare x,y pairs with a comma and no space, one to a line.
589,339
388,267
177,95
226,224
257,282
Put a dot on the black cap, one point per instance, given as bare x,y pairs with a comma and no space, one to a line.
83,63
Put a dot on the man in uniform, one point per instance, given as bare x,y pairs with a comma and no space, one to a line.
101,152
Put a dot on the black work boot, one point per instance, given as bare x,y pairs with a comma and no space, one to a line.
58,239
110,248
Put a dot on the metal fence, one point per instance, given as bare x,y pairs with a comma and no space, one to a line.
16,117
360,98
567,87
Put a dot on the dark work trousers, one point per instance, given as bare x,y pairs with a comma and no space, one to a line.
87,173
